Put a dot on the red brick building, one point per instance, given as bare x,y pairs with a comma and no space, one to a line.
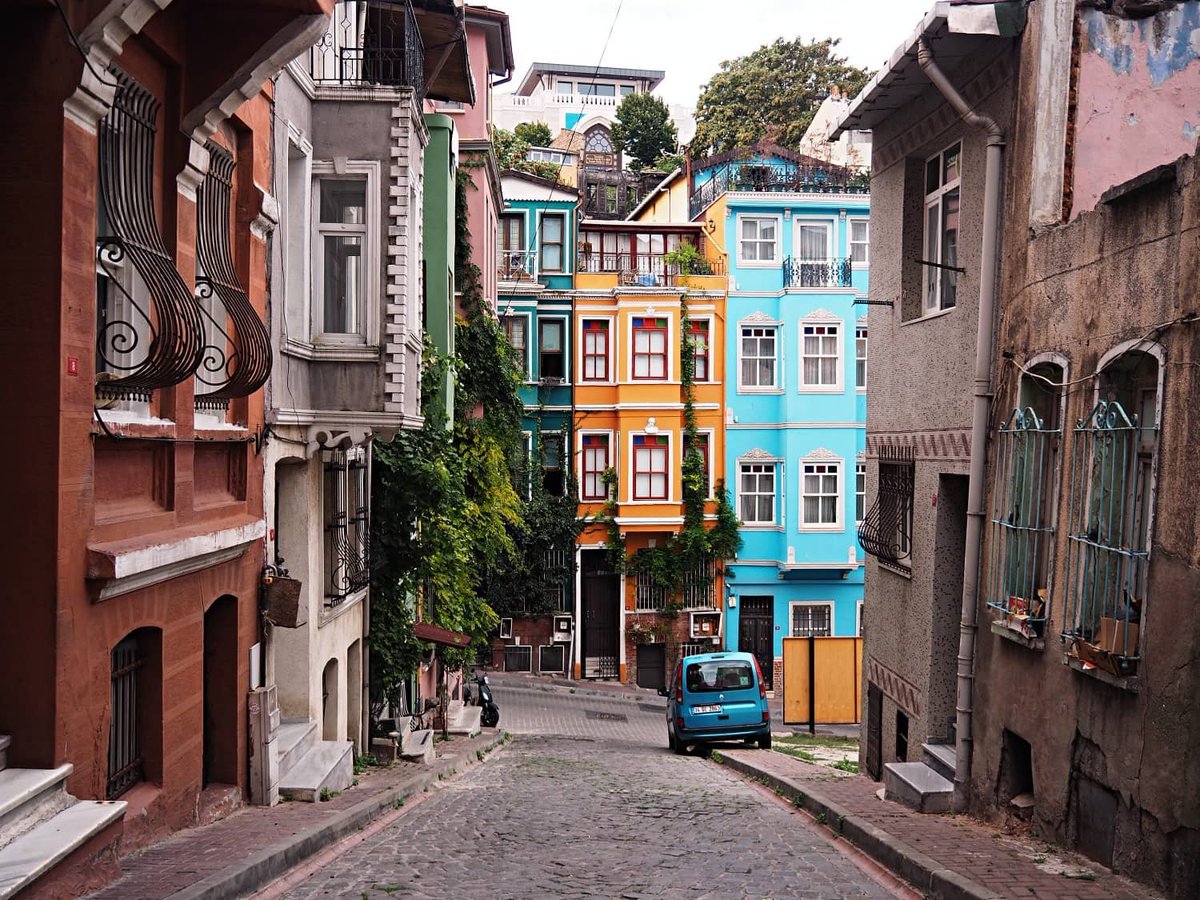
135,187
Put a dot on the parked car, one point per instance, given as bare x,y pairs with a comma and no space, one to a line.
717,697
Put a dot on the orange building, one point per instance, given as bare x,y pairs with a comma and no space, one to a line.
629,306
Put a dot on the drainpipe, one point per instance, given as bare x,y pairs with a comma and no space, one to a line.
979,419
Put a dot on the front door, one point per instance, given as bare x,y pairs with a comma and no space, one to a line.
756,634
601,611
652,665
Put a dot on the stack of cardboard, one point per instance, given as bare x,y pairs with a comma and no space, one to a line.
1115,650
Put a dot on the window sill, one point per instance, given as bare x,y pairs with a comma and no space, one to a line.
130,425
1131,683
333,352
329,613
927,316
821,529
761,526
895,570
999,629
766,391
821,389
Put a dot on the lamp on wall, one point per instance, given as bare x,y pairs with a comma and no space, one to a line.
710,226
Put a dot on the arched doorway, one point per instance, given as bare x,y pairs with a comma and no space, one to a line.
329,701
220,692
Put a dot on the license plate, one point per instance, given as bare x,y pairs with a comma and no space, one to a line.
714,708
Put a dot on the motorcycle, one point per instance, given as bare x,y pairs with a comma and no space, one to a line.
489,715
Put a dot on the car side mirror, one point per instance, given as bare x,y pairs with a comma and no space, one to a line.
662,692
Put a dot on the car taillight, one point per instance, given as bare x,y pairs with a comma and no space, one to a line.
679,721
679,685
762,685
766,715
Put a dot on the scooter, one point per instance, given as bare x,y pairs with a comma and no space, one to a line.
489,715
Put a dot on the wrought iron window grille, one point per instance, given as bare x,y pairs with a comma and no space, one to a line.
140,347
371,42
237,364
125,760
1021,538
1108,540
347,532
699,586
799,273
886,532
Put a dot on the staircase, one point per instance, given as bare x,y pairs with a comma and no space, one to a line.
926,786
308,766
463,719
41,824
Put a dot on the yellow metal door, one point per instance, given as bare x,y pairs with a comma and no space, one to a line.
834,685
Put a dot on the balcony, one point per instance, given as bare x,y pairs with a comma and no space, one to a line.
779,177
370,42
831,273
646,269
516,265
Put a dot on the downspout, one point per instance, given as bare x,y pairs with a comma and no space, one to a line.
979,419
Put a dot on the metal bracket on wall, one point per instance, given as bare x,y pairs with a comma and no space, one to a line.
862,301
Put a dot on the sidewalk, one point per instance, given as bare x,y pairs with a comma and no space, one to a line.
255,845
941,856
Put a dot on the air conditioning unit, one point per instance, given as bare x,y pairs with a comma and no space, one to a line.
506,628
563,628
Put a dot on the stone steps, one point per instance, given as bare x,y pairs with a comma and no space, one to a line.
941,758
918,787
327,766
463,719
418,746
293,740
30,796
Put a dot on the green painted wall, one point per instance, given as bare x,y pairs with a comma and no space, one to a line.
441,164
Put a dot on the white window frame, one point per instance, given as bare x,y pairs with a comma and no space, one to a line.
861,333
296,239
567,256
527,374
830,238
775,388
668,370
828,604
582,469
671,449
823,320
773,263
774,466
865,221
367,316
860,471
934,199
612,350
839,523
527,449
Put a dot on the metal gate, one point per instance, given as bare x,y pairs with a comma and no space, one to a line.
124,755
874,731
821,680
601,608
756,634
652,665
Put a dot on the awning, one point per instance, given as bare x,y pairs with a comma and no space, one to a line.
447,67
437,635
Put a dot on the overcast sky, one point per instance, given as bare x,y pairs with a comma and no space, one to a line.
689,38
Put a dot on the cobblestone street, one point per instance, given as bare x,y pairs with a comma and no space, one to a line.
594,806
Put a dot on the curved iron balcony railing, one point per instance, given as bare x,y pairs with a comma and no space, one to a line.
370,42
886,532
799,273
237,364
154,343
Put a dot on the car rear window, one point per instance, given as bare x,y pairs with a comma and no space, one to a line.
718,675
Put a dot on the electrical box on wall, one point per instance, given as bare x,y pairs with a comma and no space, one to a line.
506,628
563,628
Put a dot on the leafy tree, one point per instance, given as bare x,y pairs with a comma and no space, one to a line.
510,154
770,93
643,129
668,163
535,134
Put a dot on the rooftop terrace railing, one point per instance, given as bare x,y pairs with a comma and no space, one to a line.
781,177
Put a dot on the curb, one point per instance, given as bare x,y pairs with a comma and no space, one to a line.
922,872
258,869
553,687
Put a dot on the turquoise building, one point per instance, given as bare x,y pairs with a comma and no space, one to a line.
536,271
796,231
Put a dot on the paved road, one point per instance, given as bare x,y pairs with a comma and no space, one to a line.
591,806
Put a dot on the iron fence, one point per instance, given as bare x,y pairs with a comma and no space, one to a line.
801,273
125,761
371,42
789,177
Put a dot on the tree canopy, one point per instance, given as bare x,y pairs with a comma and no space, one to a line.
643,129
771,93
535,134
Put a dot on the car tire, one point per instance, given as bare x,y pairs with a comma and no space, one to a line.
704,751
764,742
680,747
749,742
670,739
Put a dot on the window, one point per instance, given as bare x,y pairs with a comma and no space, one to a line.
514,330
1024,499
552,463
814,243
758,356
1112,487
821,495
514,262
595,461
941,229
565,87
886,532
345,504
650,466
756,493
598,90
700,349
341,241
626,90
812,620
597,140
860,357
553,238
550,349
702,449
719,675
757,239
610,198
126,762
649,348
860,492
820,356
595,349
860,240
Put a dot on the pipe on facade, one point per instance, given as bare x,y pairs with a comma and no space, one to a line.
979,419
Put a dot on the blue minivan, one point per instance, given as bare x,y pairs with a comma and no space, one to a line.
717,697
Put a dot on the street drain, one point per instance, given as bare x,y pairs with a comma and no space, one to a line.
606,716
